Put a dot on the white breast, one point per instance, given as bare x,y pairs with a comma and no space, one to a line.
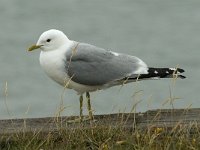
53,63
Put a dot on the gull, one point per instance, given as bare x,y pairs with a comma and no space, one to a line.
86,68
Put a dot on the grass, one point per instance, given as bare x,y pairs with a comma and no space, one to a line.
96,137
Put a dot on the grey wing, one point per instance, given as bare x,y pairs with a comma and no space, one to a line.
90,65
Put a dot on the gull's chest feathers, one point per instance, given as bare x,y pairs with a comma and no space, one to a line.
53,63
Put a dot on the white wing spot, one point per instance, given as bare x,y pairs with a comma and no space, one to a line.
172,69
156,72
167,72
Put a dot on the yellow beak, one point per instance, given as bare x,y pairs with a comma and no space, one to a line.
33,47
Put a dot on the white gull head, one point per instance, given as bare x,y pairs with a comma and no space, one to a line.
53,44
52,40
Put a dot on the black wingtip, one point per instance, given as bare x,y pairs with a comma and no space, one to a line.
180,70
181,76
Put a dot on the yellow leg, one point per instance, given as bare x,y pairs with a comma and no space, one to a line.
91,117
81,107
80,119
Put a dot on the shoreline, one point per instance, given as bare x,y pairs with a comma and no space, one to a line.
167,118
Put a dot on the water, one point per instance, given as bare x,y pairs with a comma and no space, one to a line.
162,33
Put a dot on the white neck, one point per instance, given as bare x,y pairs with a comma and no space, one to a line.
53,62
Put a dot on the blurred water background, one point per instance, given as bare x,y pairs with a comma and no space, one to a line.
162,33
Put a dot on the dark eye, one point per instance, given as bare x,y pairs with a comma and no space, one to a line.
48,40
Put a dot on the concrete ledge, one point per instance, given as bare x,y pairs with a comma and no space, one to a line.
167,118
